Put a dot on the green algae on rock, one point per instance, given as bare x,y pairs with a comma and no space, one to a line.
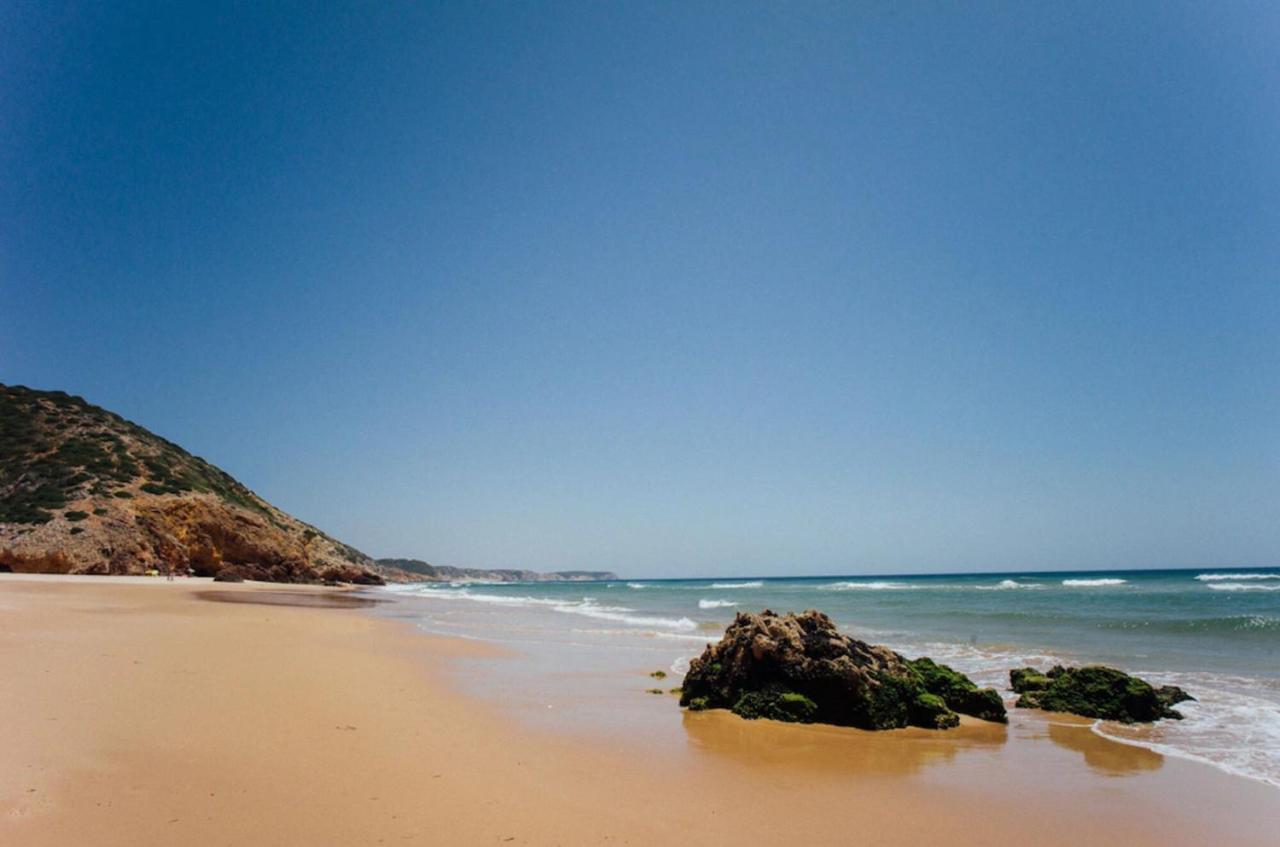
958,691
1096,691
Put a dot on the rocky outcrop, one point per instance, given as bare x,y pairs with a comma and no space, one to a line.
800,668
959,692
1096,691
82,490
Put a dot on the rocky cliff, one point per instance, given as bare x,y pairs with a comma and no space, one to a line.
82,490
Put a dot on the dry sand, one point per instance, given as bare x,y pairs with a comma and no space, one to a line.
135,713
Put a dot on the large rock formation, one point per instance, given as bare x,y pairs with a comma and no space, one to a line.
1096,691
799,668
82,490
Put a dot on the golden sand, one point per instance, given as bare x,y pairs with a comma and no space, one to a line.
136,713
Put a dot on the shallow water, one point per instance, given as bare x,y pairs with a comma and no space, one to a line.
1214,632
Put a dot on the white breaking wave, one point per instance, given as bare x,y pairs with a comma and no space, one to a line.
1235,586
1093,583
1006,584
618,614
753,584
587,607
1233,730
715,604
874,585
636,585
1218,577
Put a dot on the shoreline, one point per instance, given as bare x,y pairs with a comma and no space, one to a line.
136,716
1170,628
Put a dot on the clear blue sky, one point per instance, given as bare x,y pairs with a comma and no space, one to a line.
677,289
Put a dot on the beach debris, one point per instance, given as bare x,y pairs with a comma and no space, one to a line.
1096,691
654,691
799,668
659,674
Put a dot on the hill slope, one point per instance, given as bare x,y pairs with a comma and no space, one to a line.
82,490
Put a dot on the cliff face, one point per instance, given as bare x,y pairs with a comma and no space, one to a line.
416,570
82,490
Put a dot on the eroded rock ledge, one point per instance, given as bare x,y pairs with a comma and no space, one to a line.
800,668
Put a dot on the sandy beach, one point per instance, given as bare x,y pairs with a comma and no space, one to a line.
140,712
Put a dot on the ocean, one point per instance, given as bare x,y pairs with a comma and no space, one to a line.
1215,632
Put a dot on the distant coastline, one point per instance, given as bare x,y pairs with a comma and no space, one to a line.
416,570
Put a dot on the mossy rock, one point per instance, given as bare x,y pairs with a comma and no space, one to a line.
1022,680
959,692
1097,691
654,691
659,674
776,703
801,668
930,710
697,704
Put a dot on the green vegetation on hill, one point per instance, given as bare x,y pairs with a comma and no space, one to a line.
55,447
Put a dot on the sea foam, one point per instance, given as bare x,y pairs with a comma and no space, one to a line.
1219,577
1007,584
752,584
1236,586
1232,730
715,604
1093,583
874,585
586,607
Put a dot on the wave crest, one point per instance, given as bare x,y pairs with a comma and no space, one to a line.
874,585
1007,584
586,607
1094,583
715,604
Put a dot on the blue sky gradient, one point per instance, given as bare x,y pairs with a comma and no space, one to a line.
686,289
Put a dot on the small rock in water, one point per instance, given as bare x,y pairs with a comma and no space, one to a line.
1096,691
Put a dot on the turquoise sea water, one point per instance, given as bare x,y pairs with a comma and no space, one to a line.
1216,632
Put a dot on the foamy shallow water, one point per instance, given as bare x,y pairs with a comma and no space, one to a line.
1171,627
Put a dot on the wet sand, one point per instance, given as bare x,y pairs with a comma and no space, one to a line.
137,713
